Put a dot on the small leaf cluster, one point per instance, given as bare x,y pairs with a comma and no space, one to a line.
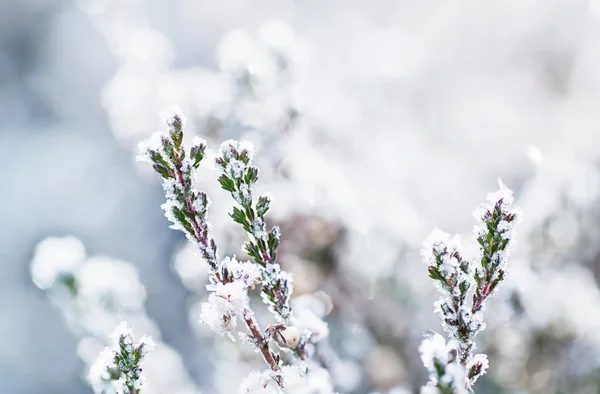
239,177
493,241
185,207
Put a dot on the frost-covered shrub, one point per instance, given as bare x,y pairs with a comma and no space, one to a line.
229,279
94,294
452,365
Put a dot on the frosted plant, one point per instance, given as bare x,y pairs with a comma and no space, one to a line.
446,375
453,366
118,369
94,294
230,280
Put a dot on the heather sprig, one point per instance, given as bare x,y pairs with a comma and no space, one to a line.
494,233
239,177
230,279
187,209
455,278
119,368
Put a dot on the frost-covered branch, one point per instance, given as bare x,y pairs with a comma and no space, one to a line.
455,278
230,280
239,176
120,366
187,209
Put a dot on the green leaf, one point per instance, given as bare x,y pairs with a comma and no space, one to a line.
262,206
161,170
227,183
251,175
239,216
253,252
197,154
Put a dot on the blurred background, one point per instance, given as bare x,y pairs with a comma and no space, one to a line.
374,122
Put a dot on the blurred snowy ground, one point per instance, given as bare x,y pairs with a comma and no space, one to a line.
374,121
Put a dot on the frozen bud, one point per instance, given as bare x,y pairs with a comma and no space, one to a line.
174,118
245,272
123,334
287,336
477,367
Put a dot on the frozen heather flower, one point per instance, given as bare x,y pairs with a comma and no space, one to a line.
56,258
224,306
477,367
218,315
232,149
245,272
235,168
234,293
255,383
258,228
174,118
228,149
498,207
118,369
440,245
